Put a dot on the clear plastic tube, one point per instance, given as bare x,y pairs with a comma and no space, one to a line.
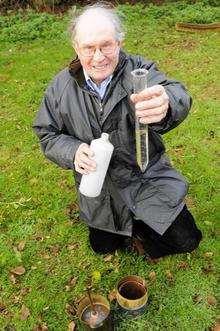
141,130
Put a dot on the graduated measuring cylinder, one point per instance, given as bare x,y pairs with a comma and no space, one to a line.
141,130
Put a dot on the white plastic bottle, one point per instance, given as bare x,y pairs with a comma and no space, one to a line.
91,184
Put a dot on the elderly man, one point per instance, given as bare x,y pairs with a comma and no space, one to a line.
94,95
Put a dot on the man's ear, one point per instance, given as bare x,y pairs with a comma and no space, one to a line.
121,43
75,46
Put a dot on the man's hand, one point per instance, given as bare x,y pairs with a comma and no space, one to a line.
83,162
151,104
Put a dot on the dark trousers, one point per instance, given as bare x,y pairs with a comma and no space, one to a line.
181,237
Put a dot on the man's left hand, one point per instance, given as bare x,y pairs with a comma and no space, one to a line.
151,104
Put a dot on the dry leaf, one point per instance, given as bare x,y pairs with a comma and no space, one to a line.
33,267
155,261
72,281
182,265
55,250
38,238
25,290
40,328
12,278
216,327
70,310
211,300
209,254
18,271
71,326
16,299
46,257
2,307
170,276
197,298
108,257
152,276
21,245
208,269
25,312
72,246
112,295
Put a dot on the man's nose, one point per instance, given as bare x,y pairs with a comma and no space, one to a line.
98,54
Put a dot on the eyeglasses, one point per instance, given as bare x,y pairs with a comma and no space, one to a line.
106,49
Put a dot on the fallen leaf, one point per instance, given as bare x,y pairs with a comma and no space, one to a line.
211,300
96,277
190,202
72,281
55,250
71,326
208,254
73,211
216,327
21,245
72,246
197,298
46,308
70,310
2,307
108,257
112,295
152,276
155,261
25,312
40,328
12,278
33,267
25,290
38,238
170,276
33,181
208,269
9,328
182,265
18,270
46,257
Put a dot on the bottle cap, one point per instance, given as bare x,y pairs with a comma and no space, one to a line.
105,136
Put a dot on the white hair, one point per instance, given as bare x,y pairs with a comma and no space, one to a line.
102,8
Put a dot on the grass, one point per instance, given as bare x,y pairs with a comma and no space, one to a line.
38,200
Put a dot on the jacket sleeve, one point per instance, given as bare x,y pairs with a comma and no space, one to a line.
56,144
179,100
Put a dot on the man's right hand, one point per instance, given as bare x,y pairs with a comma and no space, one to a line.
83,162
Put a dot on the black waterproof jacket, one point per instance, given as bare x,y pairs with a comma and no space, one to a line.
70,114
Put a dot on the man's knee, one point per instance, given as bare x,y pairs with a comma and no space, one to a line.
103,242
183,234
192,243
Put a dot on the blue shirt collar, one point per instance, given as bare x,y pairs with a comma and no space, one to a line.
100,89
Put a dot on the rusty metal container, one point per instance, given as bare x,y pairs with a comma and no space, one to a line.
132,295
101,321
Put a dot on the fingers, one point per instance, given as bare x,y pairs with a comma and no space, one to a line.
148,93
83,160
151,104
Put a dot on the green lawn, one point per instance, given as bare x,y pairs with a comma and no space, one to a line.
38,200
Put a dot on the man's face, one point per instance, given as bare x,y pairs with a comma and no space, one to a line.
95,35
